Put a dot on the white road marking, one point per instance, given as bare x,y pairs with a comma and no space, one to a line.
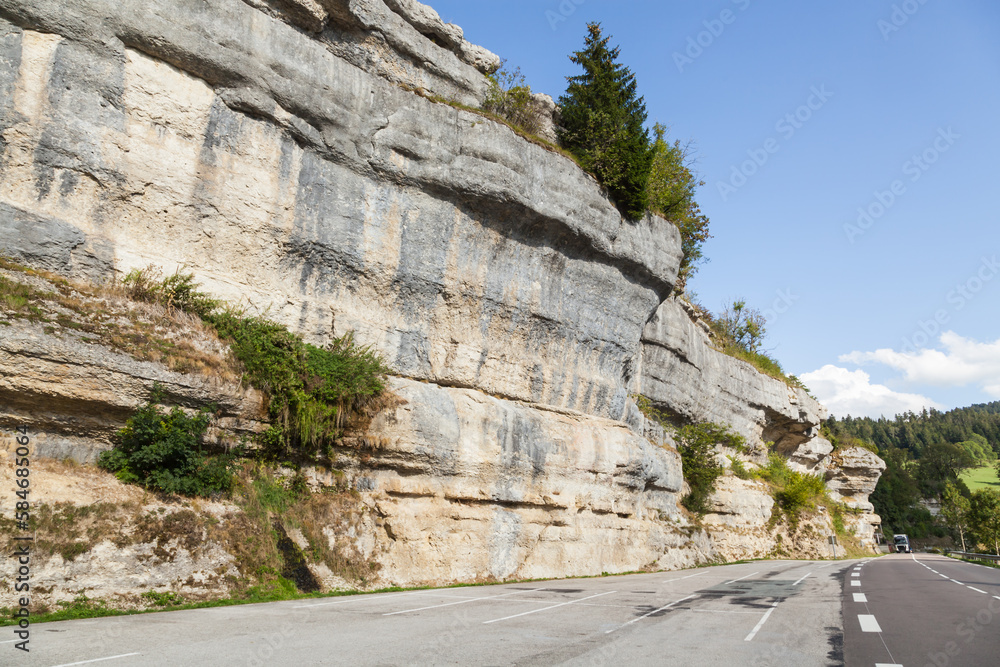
667,581
887,664
868,623
760,624
667,606
860,597
11,641
855,582
855,574
535,611
943,575
463,601
85,662
977,590
802,579
740,579
367,598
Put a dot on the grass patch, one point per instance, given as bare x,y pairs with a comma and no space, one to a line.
984,477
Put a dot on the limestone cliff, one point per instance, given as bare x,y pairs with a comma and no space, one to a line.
294,155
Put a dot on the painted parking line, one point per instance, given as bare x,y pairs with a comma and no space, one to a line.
667,581
535,611
740,579
804,577
663,608
868,623
462,601
860,597
760,623
368,598
87,662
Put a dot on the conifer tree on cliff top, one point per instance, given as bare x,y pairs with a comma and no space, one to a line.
602,124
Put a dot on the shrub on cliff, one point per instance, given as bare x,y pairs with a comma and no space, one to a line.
603,124
696,444
311,390
163,452
510,98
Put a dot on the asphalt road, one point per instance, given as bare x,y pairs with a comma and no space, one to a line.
759,613
922,610
896,610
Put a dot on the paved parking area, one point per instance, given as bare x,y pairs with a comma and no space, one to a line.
760,613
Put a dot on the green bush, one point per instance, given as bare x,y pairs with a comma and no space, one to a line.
739,468
311,389
671,191
163,452
510,98
696,444
793,491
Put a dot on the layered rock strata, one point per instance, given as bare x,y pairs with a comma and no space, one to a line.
288,152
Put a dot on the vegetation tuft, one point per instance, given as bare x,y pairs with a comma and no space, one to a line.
164,452
696,444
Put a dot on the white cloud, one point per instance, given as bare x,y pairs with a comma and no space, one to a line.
962,361
847,392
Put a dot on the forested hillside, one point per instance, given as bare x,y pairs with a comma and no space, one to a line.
925,453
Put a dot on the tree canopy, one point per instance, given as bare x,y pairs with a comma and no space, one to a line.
603,121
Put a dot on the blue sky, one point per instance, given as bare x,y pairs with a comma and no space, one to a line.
859,106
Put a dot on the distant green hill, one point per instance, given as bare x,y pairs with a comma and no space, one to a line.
923,451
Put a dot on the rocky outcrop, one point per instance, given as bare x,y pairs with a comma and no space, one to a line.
295,156
683,373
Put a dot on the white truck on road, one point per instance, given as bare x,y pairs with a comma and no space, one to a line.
901,544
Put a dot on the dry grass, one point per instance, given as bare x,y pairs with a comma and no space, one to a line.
107,315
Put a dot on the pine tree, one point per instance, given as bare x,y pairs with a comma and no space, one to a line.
603,124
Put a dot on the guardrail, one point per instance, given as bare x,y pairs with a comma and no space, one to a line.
968,556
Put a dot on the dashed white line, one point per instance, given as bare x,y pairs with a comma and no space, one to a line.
463,601
535,611
855,574
760,623
977,590
868,623
855,582
887,664
740,579
86,662
667,581
664,607
860,597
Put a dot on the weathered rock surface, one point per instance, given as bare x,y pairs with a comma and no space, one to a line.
684,373
470,486
276,149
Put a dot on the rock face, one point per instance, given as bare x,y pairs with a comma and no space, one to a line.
290,154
